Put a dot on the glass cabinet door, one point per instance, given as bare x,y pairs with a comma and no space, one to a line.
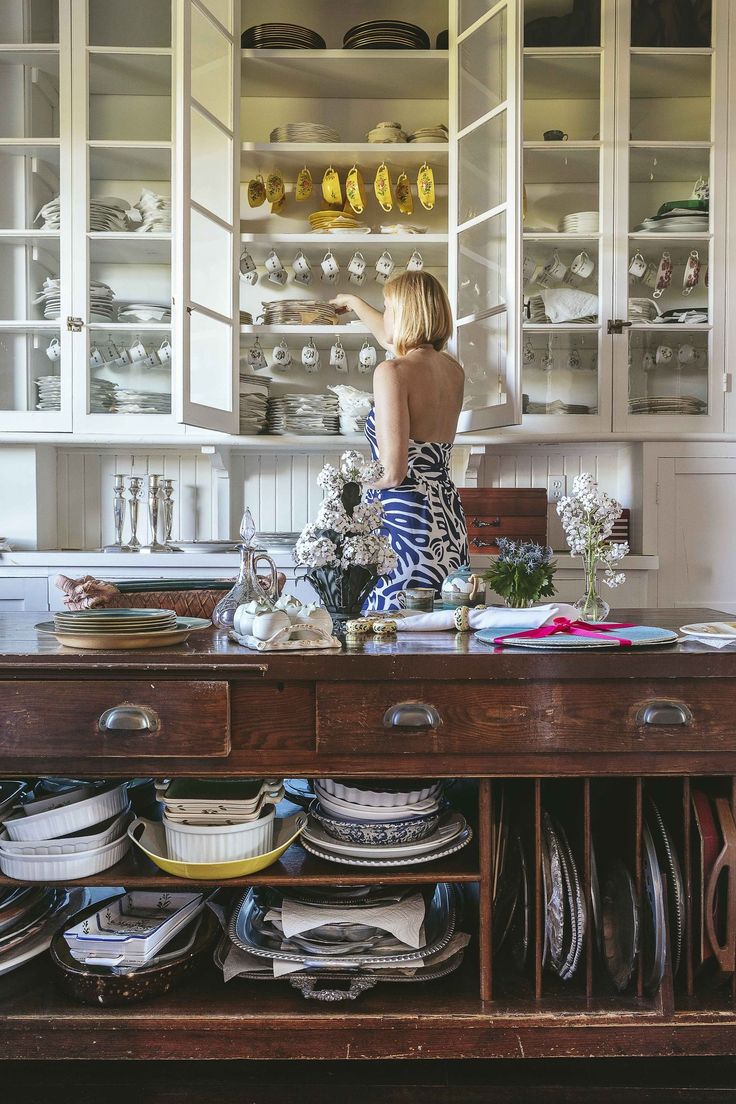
206,308
485,210
35,289
669,358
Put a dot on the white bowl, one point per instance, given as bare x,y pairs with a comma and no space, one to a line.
68,845
62,868
219,843
382,799
71,818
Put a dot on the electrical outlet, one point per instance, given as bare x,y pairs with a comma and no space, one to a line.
556,487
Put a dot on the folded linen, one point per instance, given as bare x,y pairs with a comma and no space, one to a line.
491,617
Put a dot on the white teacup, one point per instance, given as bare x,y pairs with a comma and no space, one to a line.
384,267
251,277
664,354
582,266
310,357
555,268
330,277
329,265
338,357
637,266
278,276
273,262
647,362
367,357
256,357
303,278
358,278
415,262
356,266
529,269
300,264
686,354
247,264
281,355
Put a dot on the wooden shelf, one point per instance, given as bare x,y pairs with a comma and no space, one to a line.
345,74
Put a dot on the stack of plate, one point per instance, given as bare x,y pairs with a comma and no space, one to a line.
401,823
121,628
253,404
324,221
155,212
281,36
101,297
51,214
430,134
580,222
557,406
386,34
276,416
128,401
102,396
666,404
513,898
310,415
678,216
387,132
72,834
642,310
107,214
304,132
49,392
537,312
145,312
29,917
298,312
565,915
213,821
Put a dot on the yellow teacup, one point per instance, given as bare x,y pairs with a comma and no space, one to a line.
303,184
355,189
274,187
382,187
403,195
331,190
256,192
425,187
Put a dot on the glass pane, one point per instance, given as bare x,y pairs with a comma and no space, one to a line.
482,169
562,23
210,360
482,70
561,94
560,373
211,161
691,26
561,187
670,97
470,11
27,184
133,23
29,21
481,267
482,348
211,265
662,183
130,372
29,281
30,370
560,282
130,97
211,68
680,265
222,10
29,96
668,372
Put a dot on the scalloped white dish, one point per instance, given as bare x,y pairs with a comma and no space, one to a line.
71,818
61,868
388,799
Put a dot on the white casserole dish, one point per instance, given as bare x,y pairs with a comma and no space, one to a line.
389,799
71,818
69,845
62,868
219,843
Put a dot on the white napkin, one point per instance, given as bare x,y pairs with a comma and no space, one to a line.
403,919
567,304
493,617
709,641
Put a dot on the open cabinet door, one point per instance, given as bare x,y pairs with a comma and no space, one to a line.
485,200
206,311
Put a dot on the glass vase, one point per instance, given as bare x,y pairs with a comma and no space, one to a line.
591,606
515,602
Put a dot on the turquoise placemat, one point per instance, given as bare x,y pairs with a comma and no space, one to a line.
640,636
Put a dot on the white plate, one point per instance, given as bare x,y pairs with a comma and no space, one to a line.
452,826
716,630
415,860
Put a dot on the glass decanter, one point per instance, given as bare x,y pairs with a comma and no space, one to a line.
248,587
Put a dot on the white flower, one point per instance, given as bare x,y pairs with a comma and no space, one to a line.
351,466
313,549
372,471
330,480
367,516
332,515
588,517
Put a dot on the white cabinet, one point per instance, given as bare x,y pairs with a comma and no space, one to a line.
24,594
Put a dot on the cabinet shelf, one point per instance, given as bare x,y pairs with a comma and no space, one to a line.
45,58
130,247
359,330
111,160
262,156
433,247
676,161
345,74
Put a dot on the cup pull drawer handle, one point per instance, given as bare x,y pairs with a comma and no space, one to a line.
129,718
411,715
664,713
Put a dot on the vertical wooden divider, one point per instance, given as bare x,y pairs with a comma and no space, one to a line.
538,889
588,892
639,879
485,855
688,874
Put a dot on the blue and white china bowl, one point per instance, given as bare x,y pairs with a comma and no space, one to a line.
383,832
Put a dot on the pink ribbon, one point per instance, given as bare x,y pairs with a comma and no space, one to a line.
573,628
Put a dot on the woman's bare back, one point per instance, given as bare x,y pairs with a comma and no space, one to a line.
434,384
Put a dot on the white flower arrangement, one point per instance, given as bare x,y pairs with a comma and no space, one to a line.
588,516
346,532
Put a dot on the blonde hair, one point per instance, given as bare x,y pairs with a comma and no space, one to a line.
422,313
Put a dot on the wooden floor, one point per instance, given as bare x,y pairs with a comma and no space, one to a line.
500,1082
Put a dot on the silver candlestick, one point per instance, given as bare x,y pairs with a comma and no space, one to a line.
154,502
118,513
168,510
135,487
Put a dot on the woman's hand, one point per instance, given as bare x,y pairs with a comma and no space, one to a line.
344,303
367,314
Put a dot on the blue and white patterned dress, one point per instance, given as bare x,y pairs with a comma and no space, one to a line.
423,519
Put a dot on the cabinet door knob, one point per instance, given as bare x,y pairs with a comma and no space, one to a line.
411,715
129,718
664,713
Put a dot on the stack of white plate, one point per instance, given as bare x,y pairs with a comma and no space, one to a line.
72,834
430,134
580,222
308,415
102,396
298,312
145,312
107,214
49,392
642,310
128,401
304,132
665,404
101,298
276,415
51,214
387,132
155,212
220,820
253,404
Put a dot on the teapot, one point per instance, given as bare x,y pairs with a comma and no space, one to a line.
463,588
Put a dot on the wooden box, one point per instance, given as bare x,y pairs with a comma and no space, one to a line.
493,512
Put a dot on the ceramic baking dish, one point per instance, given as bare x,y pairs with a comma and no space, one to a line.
393,796
200,843
108,802
86,840
61,868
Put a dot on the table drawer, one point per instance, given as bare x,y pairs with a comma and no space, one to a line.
485,529
468,718
135,718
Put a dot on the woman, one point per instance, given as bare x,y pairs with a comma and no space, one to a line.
418,398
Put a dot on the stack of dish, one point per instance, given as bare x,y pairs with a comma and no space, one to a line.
304,132
565,916
387,132
51,214
281,36
513,898
298,312
642,310
307,415
128,401
324,221
369,933
71,834
107,214
134,946
276,416
102,395
386,34
438,133
155,212
668,404
253,403
49,392
219,820
678,216
145,312
557,406
29,916
121,628
580,222
383,822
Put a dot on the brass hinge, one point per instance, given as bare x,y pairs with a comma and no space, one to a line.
616,325
73,324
